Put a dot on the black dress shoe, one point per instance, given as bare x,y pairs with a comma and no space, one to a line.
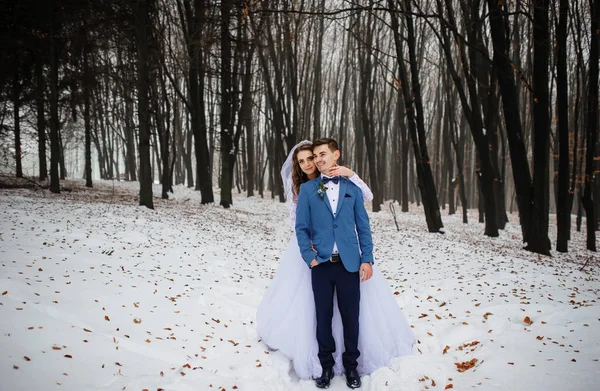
325,379
352,379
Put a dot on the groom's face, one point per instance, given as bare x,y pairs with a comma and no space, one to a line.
325,159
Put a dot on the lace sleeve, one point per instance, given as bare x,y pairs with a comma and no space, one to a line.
292,206
367,194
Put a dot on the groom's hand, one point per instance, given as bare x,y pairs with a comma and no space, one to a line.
314,263
366,271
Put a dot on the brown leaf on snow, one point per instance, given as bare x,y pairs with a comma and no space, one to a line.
137,321
233,342
15,366
448,386
539,337
422,316
68,356
106,318
466,365
136,305
446,349
56,348
148,341
86,330
487,314
4,293
527,321
26,358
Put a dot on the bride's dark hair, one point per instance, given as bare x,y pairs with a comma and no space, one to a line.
298,176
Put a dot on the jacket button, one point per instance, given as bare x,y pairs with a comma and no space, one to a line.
334,226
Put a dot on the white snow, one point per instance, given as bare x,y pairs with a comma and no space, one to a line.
98,293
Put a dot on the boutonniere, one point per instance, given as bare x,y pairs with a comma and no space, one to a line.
322,190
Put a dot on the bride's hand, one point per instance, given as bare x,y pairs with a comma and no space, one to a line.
341,170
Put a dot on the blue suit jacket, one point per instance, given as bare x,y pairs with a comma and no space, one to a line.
349,229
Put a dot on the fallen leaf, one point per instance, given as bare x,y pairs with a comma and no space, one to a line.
87,331
4,293
527,321
26,358
446,349
68,356
448,386
106,318
136,320
466,365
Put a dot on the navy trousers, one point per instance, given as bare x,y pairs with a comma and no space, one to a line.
327,277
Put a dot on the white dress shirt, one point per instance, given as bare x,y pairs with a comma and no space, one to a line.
333,194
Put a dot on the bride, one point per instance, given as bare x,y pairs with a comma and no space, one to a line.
286,317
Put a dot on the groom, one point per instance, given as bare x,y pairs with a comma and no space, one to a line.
330,213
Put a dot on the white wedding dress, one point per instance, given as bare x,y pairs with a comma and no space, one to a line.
286,318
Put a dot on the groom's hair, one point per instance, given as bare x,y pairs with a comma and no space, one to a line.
331,144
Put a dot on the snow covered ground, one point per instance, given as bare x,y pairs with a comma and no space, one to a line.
98,293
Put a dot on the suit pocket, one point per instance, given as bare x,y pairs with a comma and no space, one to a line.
347,196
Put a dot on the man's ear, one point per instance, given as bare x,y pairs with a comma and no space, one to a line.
336,154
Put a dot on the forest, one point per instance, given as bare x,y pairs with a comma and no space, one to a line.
447,104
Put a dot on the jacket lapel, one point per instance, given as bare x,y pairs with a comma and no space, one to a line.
342,196
325,198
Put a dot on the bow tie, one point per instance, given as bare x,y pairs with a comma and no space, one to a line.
335,180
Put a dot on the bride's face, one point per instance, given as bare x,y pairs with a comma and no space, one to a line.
305,160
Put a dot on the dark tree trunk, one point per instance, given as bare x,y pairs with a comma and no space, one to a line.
16,100
592,125
54,141
413,102
539,241
227,149
197,109
317,71
512,118
41,120
142,13
86,111
563,212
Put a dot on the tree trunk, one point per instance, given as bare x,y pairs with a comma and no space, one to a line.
86,111
592,125
227,149
54,141
563,213
539,241
142,13
16,100
41,120
512,118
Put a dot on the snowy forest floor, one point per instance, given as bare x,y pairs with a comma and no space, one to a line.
98,293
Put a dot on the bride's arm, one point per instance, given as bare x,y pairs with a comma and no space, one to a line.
354,178
367,194
292,206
